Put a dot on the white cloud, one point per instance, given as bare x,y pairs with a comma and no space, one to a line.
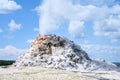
14,26
76,28
109,28
1,30
30,40
8,6
109,53
54,12
11,52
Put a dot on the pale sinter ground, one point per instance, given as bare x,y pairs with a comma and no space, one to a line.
39,73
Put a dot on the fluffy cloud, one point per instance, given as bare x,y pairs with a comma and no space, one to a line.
7,6
76,28
54,12
109,53
29,41
109,27
1,30
78,13
14,26
10,52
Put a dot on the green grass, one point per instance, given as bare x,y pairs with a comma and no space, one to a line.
6,62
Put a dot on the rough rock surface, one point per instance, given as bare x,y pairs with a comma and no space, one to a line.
58,52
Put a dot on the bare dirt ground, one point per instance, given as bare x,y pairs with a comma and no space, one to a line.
39,73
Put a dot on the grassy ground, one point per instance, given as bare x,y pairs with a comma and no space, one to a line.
6,62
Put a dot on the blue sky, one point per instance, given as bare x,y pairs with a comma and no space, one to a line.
94,24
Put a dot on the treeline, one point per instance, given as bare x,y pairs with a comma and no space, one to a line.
6,62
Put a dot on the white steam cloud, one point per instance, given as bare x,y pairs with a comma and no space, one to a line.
101,13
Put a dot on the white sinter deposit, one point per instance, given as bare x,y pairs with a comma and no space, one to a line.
58,52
